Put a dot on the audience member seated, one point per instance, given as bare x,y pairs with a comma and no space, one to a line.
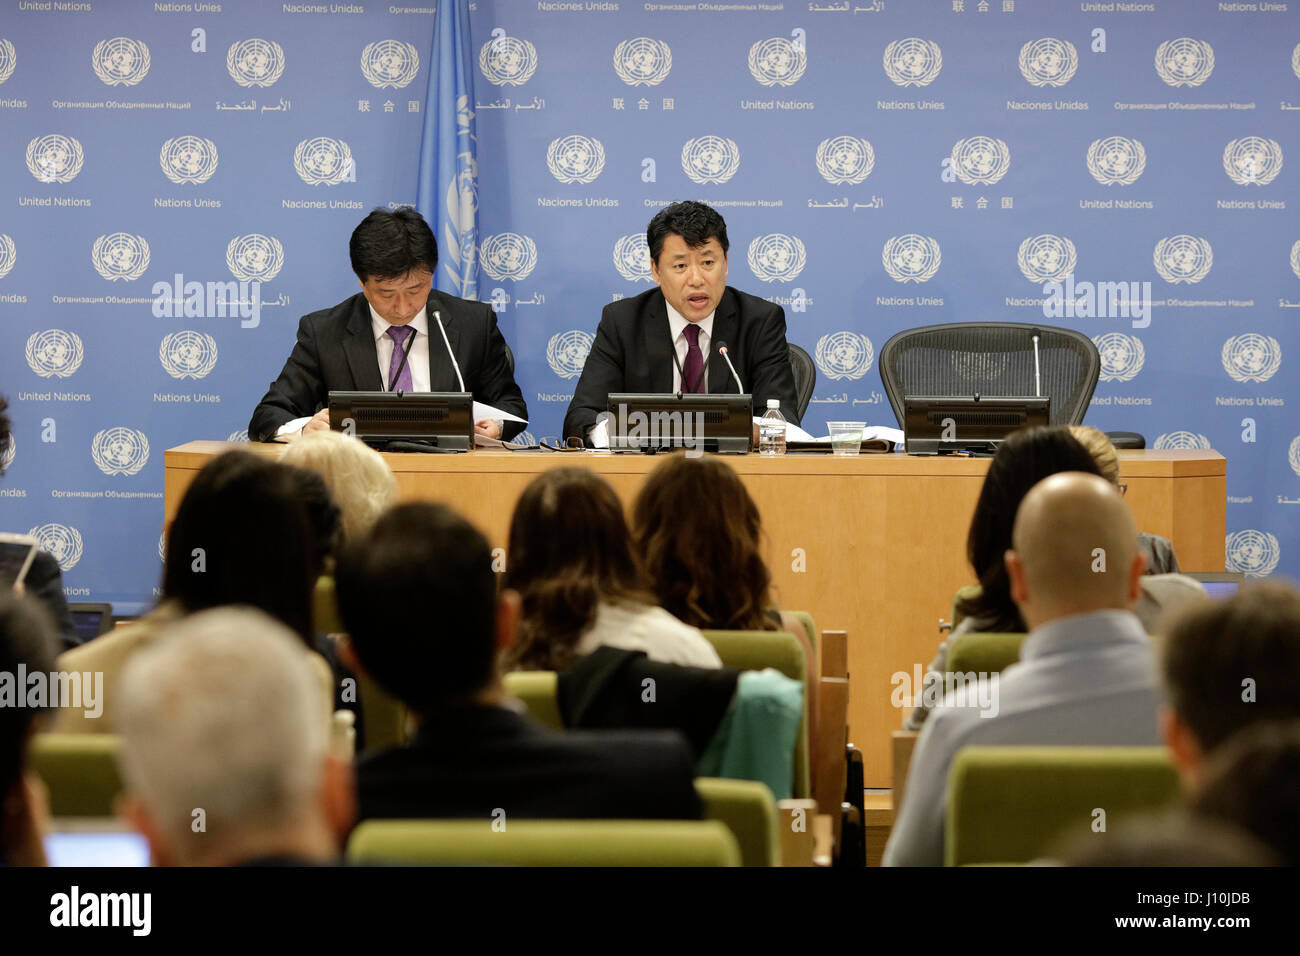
242,535
708,569
1253,782
1087,671
225,759
419,599
1024,459
1176,839
358,478
44,580
27,641
1227,665
570,559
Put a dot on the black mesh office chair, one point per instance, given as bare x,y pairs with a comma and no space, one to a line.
805,378
991,358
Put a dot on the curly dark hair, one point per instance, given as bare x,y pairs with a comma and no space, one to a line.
699,536
1024,459
569,551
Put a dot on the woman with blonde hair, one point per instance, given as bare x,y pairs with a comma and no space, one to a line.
360,481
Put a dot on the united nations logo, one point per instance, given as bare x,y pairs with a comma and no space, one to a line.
323,161
524,438
255,62
120,256
1252,159
238,437
1183,258
162,546
255,257
845,160
1116,160
55,158
8,254
1048,61
7,455
575,159
188,159
1121,356
1046,258
393,63
119,451
913,62
710,159
8,59
777,257
1292,455
1295,260
54,353
120,61
566,352
510,61
980,160
1295,61
777,61
508,255
60,540
632,257
1181,440
844,355
1251,357
188,354
1253,553
911,257
1184,62
643,61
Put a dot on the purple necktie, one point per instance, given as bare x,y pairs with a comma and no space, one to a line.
693,371
399,383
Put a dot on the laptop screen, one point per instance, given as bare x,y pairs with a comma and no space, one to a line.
1220,590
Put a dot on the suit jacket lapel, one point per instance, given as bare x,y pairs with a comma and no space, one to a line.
658,344
442,377
726,328
359,349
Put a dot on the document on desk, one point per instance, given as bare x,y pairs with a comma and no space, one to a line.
482,411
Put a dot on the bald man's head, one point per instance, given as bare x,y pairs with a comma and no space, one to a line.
1075,549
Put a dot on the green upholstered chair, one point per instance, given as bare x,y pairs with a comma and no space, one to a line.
811,627
537,689
983,653
545,843
80,771
782,651
1013,804
749,812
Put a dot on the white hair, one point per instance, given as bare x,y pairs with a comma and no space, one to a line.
224,715
362,484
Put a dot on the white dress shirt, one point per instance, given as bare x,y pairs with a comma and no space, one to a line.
651,629
598,434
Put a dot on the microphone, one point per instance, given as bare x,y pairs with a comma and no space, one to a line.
454,364
722,350
1038,388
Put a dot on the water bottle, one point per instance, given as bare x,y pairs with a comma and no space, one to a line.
771,430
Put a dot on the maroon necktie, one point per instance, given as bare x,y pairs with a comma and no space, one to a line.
693,371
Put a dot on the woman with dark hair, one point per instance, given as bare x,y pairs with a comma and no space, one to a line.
570,559
248,532
705,563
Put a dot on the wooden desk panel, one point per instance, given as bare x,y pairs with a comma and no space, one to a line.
874,545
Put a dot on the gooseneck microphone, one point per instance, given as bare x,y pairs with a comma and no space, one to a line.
454,364
723,351
1038,388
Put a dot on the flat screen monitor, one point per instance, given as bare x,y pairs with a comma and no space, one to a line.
651,422
91,620
1220,585
951,424
406,421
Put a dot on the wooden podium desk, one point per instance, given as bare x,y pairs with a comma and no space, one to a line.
874,544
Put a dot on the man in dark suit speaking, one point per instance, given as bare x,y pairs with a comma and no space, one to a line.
387,338
666,339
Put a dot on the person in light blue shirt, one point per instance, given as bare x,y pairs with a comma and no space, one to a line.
1087,671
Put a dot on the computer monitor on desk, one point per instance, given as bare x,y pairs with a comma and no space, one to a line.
967,424
406,421
650,422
